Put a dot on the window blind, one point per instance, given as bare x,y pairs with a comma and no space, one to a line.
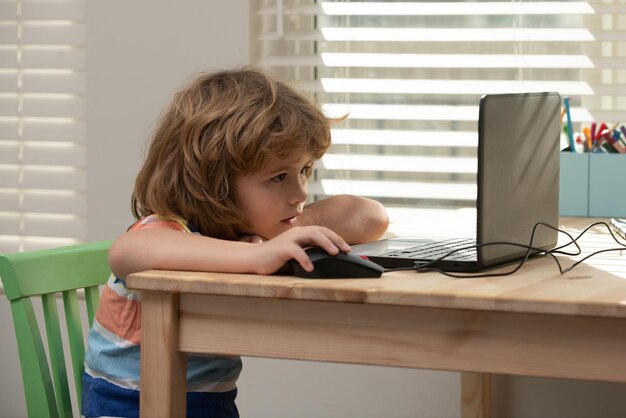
410,76
42,124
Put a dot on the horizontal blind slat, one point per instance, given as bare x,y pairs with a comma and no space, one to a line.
53,10
43,226
13,244
386,60
426,86
389,163
42,81
42,129
66,106
421,112
40,57
434,35
434,8
412,190
42,153
404,138
43,201
65,32
42,177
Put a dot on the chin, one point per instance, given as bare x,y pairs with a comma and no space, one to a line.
277,231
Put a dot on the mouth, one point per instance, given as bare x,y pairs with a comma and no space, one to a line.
289,221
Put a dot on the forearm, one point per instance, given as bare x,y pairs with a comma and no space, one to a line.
174,250
356,219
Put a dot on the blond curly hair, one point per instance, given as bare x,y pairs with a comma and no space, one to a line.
223,124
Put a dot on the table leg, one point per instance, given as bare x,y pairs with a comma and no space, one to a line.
475,395
163,367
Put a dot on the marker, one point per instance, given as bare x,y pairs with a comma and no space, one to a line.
619,147
587,135
593,132
600,129
606,135
609,147
623,140
580,146
570,129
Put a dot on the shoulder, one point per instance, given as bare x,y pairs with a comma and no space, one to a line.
155,221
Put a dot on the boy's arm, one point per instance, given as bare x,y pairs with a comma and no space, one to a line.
166,249
356,219
346,218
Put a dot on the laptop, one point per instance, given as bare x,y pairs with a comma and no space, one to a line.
517,187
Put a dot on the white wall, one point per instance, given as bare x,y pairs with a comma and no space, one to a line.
139,53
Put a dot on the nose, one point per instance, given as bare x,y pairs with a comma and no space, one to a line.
299,193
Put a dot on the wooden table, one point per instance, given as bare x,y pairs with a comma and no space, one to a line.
534,323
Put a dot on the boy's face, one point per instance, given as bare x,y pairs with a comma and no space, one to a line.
273,198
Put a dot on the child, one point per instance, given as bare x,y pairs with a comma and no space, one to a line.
223,188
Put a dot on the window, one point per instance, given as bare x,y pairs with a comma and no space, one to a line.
42,126
410,75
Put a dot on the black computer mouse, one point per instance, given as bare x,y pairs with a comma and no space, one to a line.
340,266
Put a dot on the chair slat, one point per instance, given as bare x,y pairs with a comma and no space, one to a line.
57,358
35,373
75,338
92,300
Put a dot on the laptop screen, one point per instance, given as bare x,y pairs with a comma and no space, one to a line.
518,172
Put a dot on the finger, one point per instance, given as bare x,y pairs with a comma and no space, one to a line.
336,240
331,242
303,259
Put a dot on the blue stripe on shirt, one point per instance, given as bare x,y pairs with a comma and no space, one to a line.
104,356
122,363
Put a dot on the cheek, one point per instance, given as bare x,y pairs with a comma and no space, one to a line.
243,193
255,206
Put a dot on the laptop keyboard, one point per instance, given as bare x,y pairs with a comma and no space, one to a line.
438,249
619,226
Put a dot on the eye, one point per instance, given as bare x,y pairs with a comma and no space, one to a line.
306,170
279,178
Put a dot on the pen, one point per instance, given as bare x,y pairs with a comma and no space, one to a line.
570,129
616,135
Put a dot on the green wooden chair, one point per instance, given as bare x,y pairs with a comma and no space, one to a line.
47,274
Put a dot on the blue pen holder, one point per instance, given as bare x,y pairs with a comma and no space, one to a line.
590,185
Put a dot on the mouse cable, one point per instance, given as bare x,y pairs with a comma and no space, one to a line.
529,248
599,223
425,267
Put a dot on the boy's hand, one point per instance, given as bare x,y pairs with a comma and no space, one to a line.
273,254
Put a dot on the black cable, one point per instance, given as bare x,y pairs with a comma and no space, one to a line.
529,248
622,248
425,267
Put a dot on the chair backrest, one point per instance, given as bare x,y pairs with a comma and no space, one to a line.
48,274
